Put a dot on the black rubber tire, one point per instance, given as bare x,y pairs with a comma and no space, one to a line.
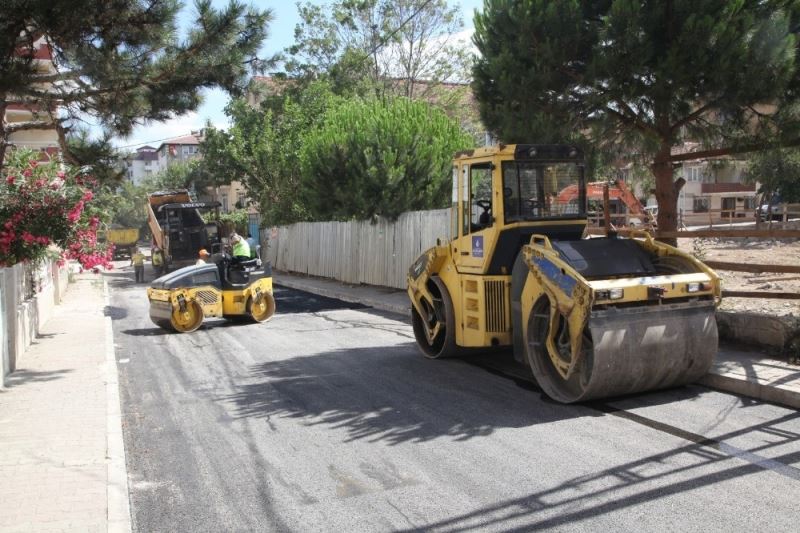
444,345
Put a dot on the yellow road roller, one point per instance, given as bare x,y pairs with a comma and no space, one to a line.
591,317
225,287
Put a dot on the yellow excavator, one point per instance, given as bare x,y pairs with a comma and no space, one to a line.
593,318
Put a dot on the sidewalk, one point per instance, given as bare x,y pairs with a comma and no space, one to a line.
62,460
742,370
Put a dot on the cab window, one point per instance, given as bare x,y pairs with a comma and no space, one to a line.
533,189
480,206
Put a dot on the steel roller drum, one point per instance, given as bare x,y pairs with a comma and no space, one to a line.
637,349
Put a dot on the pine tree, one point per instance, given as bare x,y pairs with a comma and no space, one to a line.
120,62
644,75
379,158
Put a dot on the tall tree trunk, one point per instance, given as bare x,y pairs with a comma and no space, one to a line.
667,191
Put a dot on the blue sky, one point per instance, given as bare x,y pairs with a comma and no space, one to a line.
281,35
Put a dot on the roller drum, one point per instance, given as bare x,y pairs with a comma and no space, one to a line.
634,349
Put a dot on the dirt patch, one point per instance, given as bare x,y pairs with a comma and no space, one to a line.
753,251
781,315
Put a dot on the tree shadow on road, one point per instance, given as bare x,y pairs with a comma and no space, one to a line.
393,395
636,483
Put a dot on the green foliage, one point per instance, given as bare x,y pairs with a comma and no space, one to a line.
236,220
638,75
261,149
124,62
379,46
46,211
177,175
379,158
123,204
97,157
778,171
632,70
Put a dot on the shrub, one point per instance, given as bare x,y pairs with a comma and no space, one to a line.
43,211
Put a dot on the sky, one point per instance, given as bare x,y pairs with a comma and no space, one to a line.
281,35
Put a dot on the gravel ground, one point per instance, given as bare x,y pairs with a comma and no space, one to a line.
753,251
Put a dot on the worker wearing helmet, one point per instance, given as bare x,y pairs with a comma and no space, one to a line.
202,257
240,248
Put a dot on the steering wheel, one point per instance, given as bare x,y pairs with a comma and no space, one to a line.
486,205
533,204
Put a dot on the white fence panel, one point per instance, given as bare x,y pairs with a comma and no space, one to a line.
375,253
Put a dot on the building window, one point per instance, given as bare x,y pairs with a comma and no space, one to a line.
224,203
728,207
147,163
701,204
750,202
694,173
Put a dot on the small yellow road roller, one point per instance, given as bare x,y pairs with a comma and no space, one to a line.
225,287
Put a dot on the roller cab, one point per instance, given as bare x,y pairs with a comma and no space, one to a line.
591,317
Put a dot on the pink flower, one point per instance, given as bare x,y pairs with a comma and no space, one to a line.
10,180
87,196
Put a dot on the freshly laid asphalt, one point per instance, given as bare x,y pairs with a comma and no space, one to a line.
752,371
327,418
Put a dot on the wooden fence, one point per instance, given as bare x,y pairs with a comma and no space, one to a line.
376,253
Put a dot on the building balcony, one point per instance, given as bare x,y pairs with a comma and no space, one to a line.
709,188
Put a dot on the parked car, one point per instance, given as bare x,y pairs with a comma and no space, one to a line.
770,207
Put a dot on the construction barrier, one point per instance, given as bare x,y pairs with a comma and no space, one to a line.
372,252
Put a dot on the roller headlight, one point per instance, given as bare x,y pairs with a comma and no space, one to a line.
611,294
616,294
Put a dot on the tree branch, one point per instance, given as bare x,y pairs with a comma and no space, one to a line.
694,114
631,121
29,125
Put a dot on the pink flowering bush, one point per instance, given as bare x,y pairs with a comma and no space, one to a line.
42,206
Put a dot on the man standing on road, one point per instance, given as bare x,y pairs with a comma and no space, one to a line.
137,260
157,258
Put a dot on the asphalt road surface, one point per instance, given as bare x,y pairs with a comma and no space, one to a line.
326,418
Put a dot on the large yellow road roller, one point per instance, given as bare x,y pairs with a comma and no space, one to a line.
593,318
180,300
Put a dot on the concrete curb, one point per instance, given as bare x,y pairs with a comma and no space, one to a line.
736,385
754,329
119,512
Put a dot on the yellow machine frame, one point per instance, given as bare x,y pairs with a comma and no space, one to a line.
480,304
180,306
